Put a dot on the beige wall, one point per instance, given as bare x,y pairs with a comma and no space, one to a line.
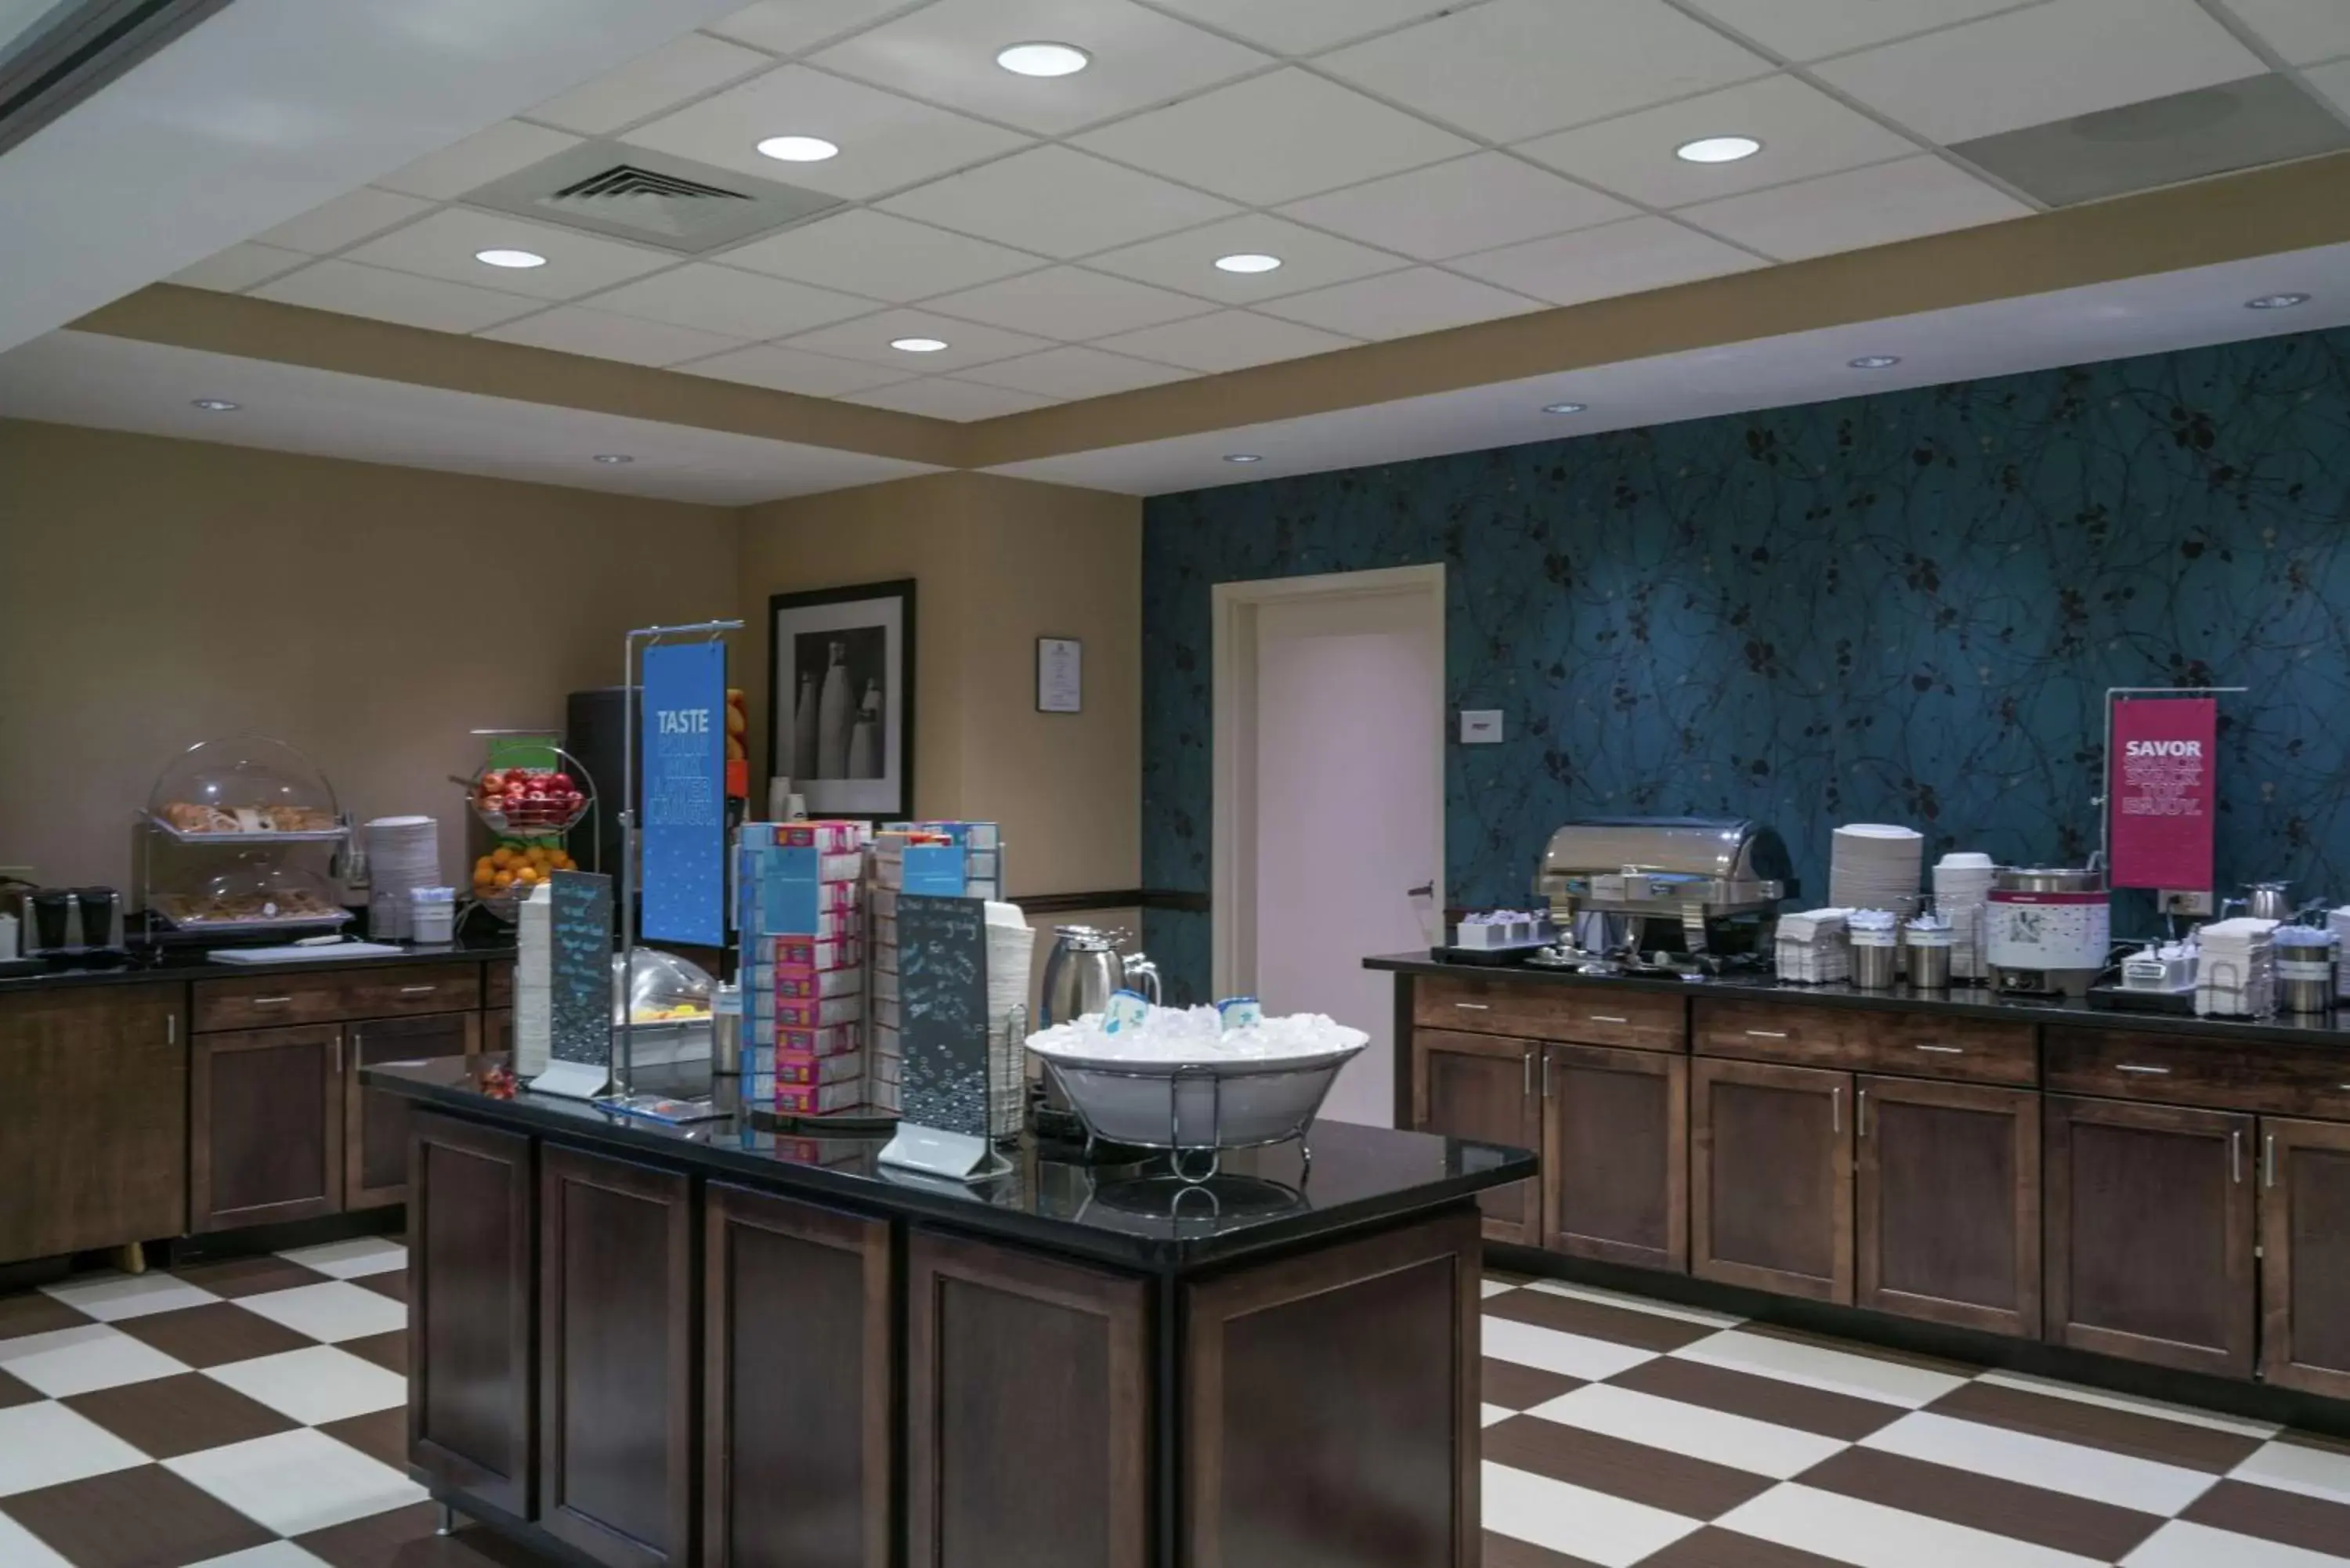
156,592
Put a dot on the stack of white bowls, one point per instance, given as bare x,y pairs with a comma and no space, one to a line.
1961,889
1872,865
404,854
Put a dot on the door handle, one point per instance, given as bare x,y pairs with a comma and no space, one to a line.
336,1047
418,990
171,1029
2146,1072
2268,1162
271,1000
1545,1074
1860,1114
1768,1033
1608,1018
1474,1006
1835,1108
1526,1089
2236,1156
1945,1050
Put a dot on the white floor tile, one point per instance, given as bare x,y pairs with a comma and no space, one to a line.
20,1548
315,1385
331,1310
1590,1526
294,1482
1493,1287
350,1260
2098,1474
1870,1535
2180,1544
1570,1354
110,1298
1716,1436
1488,1414
2312,1472
47,1445
1790,1361
2241,1424
1638,1303
276,1555
78,1360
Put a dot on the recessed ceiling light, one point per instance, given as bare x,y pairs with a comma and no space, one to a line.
2276,301
614,457
919,344
1874,361
1243,457
1717,149
798,149
510,258
1043,59
1248,261
216,405
1564,407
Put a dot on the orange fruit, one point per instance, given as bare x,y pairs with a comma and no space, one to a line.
502,879
501,857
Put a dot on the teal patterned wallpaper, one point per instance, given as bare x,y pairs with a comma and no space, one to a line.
1903,608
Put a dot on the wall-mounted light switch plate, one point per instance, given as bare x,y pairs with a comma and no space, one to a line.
1480,726
2186,903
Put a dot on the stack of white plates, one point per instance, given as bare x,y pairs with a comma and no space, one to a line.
533,982
403,853
1961,886
1874,866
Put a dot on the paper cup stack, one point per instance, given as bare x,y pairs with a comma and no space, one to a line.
1961,889
1011,947
403,855
1875,867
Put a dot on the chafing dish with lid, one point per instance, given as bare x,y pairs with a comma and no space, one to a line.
1673,883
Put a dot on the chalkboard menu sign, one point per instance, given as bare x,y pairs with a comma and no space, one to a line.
581,971
942,1007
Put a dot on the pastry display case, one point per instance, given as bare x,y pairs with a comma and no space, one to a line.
241,836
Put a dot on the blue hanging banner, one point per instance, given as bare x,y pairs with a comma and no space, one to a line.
683,748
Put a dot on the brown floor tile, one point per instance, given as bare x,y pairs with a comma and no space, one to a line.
1509,1552
143,1518
34,1313
2097,1531
1618,1325
233,1277
1674,1482
2312,1523
1727,1549
378,1433
393,1282
388,1351
403,1538
2140,1434
13,1392
1759,1398
168,1417
2314,1440
214,1334
1857,1347
1520,1388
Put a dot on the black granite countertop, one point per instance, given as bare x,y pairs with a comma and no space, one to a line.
1129,1215
1959,1001
178,966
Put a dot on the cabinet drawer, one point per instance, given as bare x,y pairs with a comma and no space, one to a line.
267,1001
1593,1015
1966,1049
1770,1032
2200,1070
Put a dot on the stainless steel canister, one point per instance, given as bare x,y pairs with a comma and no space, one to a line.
1874,965
2304,973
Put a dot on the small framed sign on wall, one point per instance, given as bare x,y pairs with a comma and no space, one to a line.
1060,675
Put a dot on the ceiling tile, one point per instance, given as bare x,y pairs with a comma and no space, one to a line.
1810,29
2303,31
1515,69
412,301
1471,203
239,267
885,140
1076,372
344,220
600,334
868,339
1228,340
2049,62
443,245
1630,257
1303,27
1057,201
789,27
945,54
1274,137
1309,259
680,70
1398,304
791,370
944,397
2334,81
505,148
738,303
1861,207
1070,303
874,253
1803,132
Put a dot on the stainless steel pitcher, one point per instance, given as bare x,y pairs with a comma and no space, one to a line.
1084,968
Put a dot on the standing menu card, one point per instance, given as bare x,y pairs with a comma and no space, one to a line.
942,1006
580,987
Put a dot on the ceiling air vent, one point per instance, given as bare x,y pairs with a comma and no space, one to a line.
634,193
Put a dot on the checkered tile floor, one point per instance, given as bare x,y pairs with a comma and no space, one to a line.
1621,1431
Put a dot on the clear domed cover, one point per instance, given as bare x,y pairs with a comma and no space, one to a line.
244,785
257,890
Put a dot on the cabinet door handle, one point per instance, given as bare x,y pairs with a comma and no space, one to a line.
2148,1072
1945,1050
1528,1086
2268,1162
1835,1108
2236,1156
1608,1018
1860,1114
1768,1033
418,990
271,1000
171,1029
1474,1006
336,1047
1546,1057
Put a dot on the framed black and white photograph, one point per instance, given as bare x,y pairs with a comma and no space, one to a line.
842,730
1060,675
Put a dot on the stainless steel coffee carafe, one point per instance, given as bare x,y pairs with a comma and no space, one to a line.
1081,973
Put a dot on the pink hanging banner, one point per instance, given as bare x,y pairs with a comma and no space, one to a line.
2160,784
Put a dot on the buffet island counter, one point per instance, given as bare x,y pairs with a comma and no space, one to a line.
711,1343
2117,1197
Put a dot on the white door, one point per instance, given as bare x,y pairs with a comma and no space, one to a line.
1348,781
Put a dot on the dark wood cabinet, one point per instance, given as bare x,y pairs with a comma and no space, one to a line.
375,1125
798,1384
497,1031
1771,1193
2150,1220
1482,1086
1948,1202
264,1125
1027,1411
2305,1255
93,1119
1614,1155
615,1374
472,1419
